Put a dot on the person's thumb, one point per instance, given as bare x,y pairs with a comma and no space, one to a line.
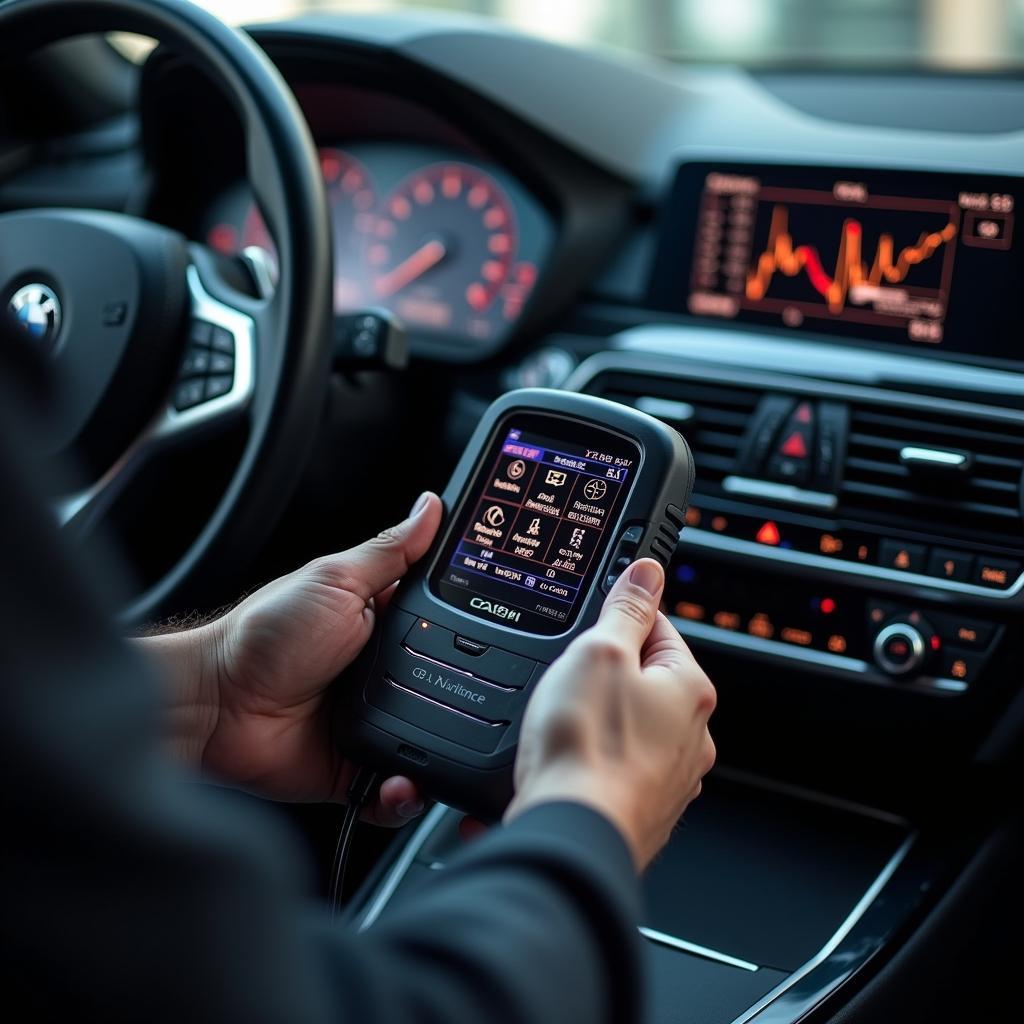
631,607
375,564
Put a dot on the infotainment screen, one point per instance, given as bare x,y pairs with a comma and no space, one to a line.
923,259
534,525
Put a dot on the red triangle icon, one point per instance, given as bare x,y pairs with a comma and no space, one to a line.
794,446
768,534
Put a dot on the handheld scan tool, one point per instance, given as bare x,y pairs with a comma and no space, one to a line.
555,495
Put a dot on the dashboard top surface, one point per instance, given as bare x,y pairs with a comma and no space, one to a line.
656,113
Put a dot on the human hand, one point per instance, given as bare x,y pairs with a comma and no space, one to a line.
620,720
276,654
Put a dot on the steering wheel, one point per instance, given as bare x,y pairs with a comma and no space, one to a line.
154,346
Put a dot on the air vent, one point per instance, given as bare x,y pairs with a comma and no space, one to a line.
712,418
980,502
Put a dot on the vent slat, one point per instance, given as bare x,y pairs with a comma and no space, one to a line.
983,504
707,462
894,432
717,439
717,428
910,499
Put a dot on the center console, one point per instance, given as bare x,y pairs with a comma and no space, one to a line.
759,909
840,347
858,429
880,532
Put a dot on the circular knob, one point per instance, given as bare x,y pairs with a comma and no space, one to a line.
899,649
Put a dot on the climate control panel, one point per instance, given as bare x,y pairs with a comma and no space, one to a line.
838,629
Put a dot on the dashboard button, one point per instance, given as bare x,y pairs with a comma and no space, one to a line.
768,419
950,565
859,547
960,631
996,572
880,611
895,554
963,666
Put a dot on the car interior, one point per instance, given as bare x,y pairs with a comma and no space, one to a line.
295,265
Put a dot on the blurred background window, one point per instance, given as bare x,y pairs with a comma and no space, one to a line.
978,35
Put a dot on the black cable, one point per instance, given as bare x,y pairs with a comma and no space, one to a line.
359,790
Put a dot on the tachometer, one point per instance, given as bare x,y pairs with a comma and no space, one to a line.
352,198
443,249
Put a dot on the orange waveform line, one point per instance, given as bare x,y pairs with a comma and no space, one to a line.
780,256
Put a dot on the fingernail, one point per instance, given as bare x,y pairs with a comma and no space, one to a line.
410,808
421,504
647,575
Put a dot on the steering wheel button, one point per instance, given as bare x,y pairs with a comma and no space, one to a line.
200,332
220,362
222,340
217,386
365,344
188,394
196,363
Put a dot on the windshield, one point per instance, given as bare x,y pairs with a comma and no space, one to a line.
968,34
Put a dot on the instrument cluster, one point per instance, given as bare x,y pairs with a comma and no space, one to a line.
450,244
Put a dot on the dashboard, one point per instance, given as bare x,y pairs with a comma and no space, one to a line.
449,243
826,305
820,288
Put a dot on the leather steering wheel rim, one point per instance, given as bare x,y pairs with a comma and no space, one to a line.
291,340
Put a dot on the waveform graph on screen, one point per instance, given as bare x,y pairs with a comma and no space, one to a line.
807,254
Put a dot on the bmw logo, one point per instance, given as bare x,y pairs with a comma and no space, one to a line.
36,309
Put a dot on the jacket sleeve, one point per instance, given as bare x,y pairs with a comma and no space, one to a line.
535,923
132,893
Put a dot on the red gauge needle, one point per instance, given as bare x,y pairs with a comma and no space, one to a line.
426,256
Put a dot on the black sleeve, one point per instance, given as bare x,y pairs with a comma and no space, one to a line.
131,893
534,923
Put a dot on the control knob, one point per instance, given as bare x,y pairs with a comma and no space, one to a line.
901,648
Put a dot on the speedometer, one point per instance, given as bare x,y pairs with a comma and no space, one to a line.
443,252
